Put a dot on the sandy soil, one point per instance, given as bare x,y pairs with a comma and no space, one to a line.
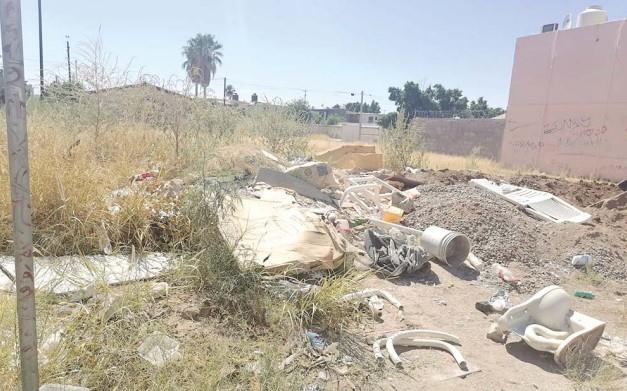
440,300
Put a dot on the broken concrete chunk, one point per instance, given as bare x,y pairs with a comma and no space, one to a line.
495,334
159,289
61,387
353,156
318,174
158,349
280,179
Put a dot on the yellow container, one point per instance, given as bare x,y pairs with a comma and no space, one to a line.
393,214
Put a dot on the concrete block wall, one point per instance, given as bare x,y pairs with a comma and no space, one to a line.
461,136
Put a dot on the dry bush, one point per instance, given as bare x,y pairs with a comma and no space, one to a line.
403,144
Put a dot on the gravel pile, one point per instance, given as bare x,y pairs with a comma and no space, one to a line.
501,233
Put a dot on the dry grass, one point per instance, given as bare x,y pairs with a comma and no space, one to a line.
591,373
80,152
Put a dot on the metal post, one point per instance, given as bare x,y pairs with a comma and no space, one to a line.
224,93
69,68
361,104
41,54
17,142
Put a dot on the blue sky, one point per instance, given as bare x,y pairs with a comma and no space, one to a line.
278,48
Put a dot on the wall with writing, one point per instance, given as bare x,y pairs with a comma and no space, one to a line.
567,111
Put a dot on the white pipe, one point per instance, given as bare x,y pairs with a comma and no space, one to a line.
423,333
432,343
376,348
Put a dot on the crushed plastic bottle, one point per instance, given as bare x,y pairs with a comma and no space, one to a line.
500,302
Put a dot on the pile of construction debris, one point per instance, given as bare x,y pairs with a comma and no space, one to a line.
344,210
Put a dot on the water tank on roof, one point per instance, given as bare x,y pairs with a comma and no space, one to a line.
594,14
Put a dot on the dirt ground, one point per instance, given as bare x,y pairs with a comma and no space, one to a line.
444,298
442,301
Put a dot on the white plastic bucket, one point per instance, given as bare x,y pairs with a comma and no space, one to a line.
445,245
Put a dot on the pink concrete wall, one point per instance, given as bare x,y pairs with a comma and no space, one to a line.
567,111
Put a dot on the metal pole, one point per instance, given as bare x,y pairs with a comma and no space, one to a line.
69,68
17,142
224,93
361,104
41,55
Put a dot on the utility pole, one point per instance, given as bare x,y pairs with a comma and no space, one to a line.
224,93
17,143
69,68
41,55
361,104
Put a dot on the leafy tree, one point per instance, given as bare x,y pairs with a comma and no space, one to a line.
441,101
387,120
333,119
448,99
230,90
480,109
336,106
202,57
300,110
64,91
412,99
373,107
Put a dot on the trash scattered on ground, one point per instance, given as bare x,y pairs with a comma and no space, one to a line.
447,246
392,214
280,179
584,294
158,349
393,257
505,274
474,261
283,236
316,173
75,276
61,387
315,340
498,303
419,338
362,157
547,323
374,303
537,203
402,182
581,260
148,175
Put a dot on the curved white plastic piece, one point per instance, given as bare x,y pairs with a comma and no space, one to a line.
376,348
432,343
424,333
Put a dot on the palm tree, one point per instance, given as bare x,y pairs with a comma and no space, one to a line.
202,57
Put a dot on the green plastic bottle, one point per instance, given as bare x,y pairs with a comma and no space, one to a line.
584,294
